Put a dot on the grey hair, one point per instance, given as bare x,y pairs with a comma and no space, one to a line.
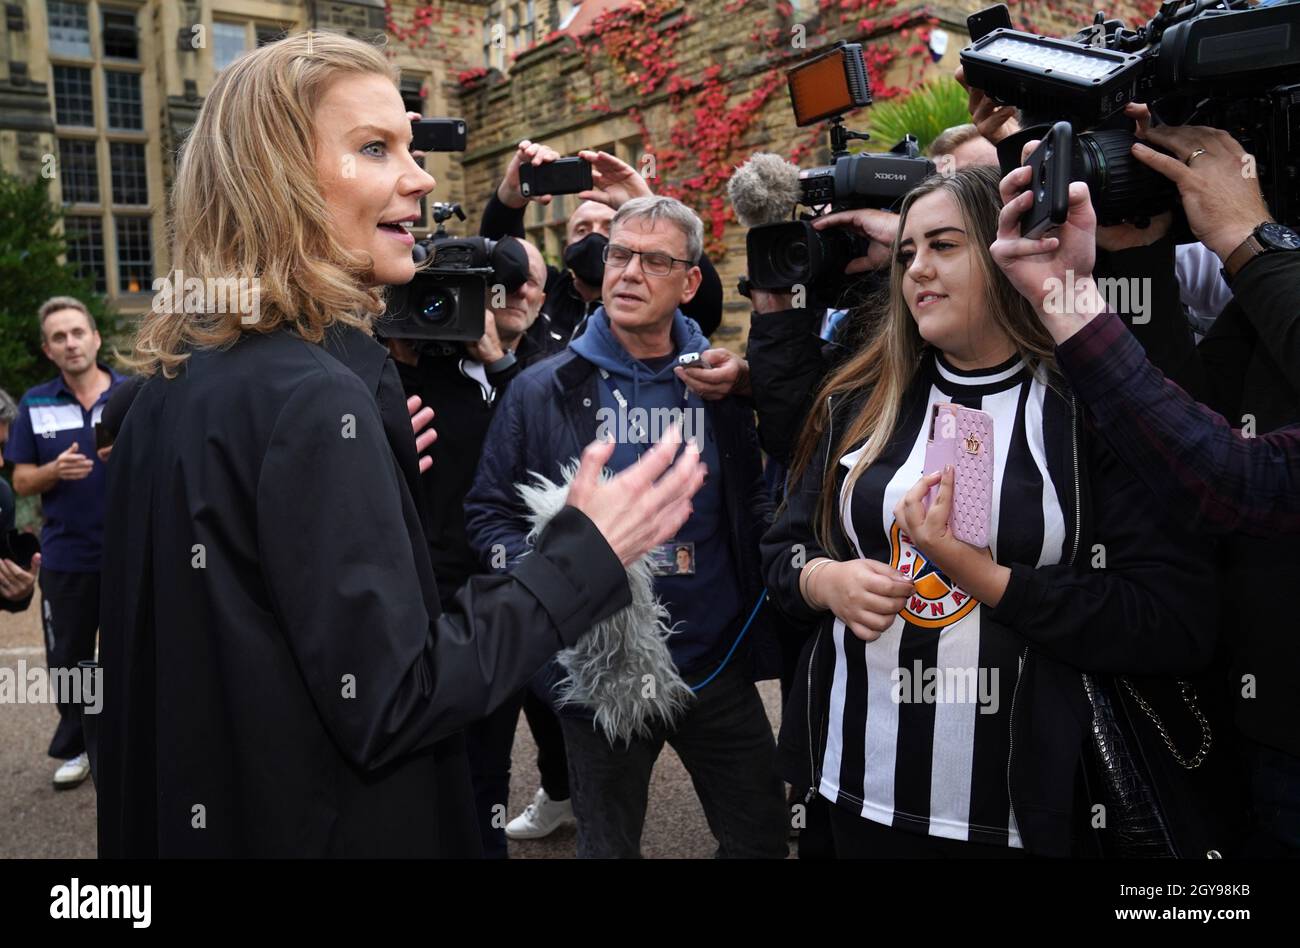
656,208
8,410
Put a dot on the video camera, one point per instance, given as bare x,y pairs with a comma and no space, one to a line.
793,252
1219,63
447,299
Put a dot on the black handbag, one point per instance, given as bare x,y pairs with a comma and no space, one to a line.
1168,790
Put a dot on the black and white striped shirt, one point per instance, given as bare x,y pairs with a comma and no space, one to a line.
918,733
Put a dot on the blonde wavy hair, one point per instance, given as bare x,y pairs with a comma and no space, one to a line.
247,205
886,364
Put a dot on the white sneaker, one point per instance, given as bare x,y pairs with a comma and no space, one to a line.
540,818
72,772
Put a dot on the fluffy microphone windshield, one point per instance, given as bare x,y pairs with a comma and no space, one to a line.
764,190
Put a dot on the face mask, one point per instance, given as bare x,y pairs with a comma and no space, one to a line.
586,259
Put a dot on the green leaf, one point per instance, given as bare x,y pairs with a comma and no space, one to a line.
937,105
30,273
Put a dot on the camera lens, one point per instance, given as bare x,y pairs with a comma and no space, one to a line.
1121,187
789,261
437,307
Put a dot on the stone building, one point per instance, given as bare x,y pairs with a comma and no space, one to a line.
97,95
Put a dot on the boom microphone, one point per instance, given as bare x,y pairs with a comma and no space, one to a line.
764,190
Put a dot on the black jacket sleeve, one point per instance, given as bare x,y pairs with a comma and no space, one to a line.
791,542
343,574
1150,609
501,221
786,367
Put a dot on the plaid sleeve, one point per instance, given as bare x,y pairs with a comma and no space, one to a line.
1220,480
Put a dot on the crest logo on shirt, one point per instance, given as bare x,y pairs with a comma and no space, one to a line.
936,602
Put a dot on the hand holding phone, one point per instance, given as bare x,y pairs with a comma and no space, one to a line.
1050,182
562,176
963,437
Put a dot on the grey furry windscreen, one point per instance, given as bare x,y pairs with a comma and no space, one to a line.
622,668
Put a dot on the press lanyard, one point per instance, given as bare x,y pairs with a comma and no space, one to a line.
637,432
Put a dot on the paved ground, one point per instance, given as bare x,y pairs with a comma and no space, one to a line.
40,822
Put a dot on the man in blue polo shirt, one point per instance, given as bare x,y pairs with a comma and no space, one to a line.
52,445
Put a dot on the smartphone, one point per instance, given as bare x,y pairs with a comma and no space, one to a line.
1050,182
19,547
439,134
983,22
102,437
963,437
562,176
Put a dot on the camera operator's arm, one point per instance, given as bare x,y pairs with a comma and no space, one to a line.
1206,473
786,367
785,349
995,122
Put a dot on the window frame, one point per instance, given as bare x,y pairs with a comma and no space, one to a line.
77,54
104,12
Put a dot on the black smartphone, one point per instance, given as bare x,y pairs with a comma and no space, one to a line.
983,22
439,134
1049,181
19,547
562,176
102,436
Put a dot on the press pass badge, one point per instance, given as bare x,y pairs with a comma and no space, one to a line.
674,558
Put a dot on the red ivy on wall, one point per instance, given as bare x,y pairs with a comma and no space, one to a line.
633,49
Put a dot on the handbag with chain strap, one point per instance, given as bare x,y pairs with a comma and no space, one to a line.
1162,782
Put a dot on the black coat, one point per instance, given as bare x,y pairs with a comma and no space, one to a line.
280,678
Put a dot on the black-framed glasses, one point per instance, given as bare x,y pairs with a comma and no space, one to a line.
652,261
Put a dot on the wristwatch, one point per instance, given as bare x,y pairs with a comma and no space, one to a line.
1268,237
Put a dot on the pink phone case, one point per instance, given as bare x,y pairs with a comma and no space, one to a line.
963,437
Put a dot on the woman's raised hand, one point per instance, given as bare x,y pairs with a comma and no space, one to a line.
643,505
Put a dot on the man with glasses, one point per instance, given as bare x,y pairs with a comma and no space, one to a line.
616,380
573,293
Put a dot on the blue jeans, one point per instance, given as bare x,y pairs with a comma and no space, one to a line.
724,740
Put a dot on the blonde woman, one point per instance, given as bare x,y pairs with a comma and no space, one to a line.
280,678
940,707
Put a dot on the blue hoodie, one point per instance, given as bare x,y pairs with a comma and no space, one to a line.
705,606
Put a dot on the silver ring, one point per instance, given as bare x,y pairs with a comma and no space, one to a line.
1195,154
